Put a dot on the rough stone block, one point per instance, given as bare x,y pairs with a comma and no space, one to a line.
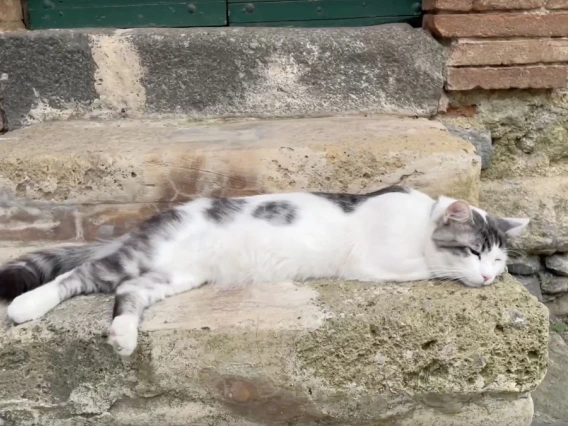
479,138
550,397
557,264
559,306
11,26
508,52
541,199
528,265
532,284
552,284
327,352
219,72
529,77
498,25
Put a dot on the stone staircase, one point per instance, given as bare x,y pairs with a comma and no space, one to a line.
321,353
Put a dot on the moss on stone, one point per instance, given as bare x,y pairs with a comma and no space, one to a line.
529,130
444,338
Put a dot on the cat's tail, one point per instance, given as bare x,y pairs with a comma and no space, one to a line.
34,269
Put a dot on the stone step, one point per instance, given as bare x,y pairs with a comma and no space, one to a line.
203,73
83,180
326,353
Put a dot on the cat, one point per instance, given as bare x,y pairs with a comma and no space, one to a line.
395,234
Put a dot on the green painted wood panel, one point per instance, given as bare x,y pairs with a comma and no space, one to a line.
45,14
241,11
322,23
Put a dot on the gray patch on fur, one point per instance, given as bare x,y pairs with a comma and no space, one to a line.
223,210
349,202
276,212
160,221
459,238
129,261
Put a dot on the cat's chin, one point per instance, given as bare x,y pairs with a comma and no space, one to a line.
478,284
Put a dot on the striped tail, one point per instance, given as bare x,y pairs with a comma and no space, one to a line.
34,269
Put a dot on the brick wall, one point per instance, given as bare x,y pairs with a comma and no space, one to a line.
502,44
11,17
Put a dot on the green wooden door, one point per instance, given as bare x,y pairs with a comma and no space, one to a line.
44,14
322,13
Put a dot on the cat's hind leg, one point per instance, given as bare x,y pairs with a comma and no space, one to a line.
132,298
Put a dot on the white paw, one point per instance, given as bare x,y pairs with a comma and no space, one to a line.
33,304
123,334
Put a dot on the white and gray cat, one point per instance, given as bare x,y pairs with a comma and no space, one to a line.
394,234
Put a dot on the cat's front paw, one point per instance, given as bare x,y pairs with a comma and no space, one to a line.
123,334
31,305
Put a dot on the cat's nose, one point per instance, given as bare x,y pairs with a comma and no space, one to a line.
486,277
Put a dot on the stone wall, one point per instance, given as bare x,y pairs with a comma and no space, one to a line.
527,175
506,92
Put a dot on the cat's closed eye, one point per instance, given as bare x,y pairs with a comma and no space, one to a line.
475,253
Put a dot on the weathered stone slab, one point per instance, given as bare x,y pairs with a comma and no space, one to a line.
542,199
219,72
327,352
74,180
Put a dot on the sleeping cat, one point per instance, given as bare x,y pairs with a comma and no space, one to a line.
394,234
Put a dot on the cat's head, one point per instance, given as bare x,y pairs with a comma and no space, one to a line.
470,245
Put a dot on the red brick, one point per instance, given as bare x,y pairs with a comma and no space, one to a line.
103,221
482,5
508,52
498,25
462,111
454,5
28,221
557,4
539,77
10,10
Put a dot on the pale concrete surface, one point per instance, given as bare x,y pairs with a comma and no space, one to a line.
219,72
332,353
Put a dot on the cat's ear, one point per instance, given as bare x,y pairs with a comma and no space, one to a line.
458,211
512,227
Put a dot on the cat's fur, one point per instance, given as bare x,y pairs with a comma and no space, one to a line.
395,234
